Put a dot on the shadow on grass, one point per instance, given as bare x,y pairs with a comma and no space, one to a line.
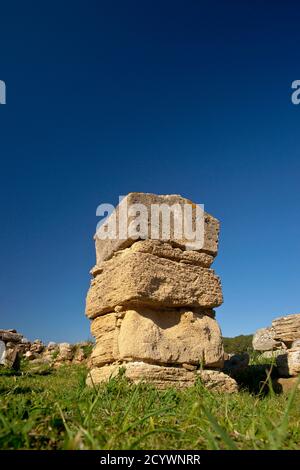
26,372
255,379
34,373
9,372
19,390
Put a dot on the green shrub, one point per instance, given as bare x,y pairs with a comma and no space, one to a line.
238,344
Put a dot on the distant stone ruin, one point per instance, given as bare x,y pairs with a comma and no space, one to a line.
14,347
282,341
151,305
2,353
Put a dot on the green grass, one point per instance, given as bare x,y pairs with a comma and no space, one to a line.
55,410
88,348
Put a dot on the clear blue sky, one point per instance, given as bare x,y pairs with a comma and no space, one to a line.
104,98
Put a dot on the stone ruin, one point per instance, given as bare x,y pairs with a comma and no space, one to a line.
151,306
11,345
281,341
14,346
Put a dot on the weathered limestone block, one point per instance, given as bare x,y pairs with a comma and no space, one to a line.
2,353
10,336
106,248
79,356
296,344
164,377
288,364
217,381
163,337
264,340
145,279
30,356
136,372
272,354
166,250
285,385
66,352
162,250
12,358
287,329
171,337
104,328
37,346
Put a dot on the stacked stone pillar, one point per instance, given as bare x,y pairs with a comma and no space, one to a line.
151,306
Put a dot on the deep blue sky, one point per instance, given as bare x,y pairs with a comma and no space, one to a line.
104,98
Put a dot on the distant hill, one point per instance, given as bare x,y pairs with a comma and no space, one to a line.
238,344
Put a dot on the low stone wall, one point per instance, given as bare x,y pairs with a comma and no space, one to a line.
282,341
14,346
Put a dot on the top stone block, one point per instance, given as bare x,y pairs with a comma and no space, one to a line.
287,329
170,218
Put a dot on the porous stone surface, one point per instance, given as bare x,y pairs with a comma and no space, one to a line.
37,347
30,355
287,329
281,341
218,381
104,329
264,340
66,352
174,337
170,337
164,377
295,344
106,248
162,250
288,364
10,336
145,279
286,384
2,353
